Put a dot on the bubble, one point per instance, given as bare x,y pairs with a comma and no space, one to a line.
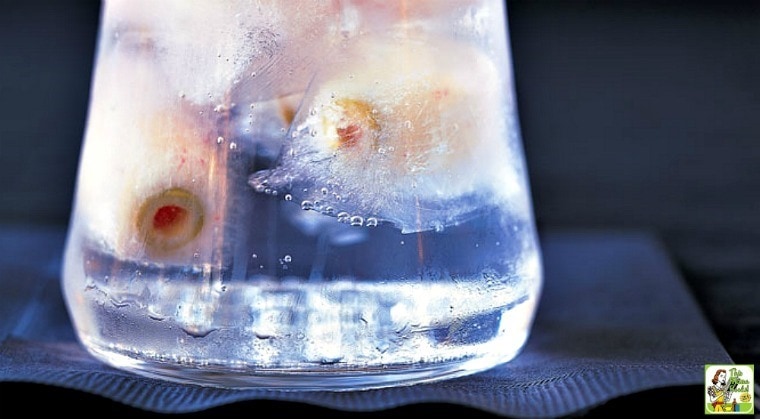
219,140
307,205
287,258
343,217
288,197
233,146
371,222
357,220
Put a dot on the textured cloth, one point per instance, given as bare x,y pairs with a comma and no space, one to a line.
615,318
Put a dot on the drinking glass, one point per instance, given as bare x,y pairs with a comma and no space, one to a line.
302,195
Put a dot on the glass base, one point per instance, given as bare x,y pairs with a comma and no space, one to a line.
332,377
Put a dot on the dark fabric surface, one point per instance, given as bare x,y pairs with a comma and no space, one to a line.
615,319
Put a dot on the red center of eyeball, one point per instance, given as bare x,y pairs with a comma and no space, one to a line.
349,135
169,217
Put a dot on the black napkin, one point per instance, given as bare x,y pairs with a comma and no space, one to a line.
615,318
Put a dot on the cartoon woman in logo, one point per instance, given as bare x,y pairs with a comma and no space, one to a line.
719,392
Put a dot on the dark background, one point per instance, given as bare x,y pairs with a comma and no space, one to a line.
635,114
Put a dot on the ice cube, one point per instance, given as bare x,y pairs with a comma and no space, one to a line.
152,167
408,131
262,126
206,49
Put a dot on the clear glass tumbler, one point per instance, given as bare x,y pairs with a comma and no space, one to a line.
302,195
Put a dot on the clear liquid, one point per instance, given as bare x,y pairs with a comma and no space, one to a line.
310,312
